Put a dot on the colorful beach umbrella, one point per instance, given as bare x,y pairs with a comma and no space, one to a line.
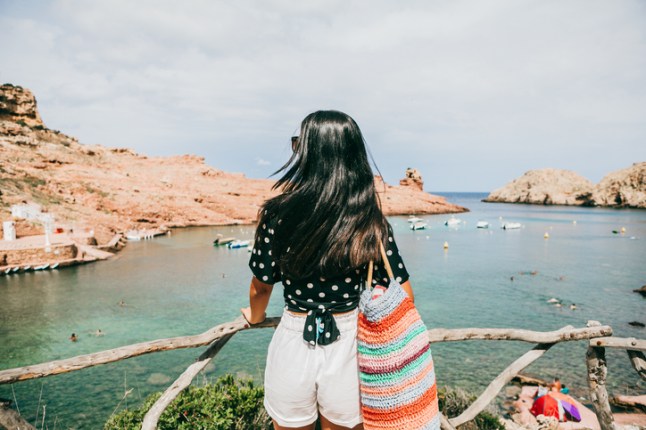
568,404
546,405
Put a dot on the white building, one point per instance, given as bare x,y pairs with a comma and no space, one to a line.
26,211
9,230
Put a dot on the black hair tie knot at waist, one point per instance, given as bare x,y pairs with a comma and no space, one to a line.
320,327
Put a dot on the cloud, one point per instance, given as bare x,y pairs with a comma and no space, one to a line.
473,93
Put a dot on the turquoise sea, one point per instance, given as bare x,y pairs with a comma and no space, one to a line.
180,285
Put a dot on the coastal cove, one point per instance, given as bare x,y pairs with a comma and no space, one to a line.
180,284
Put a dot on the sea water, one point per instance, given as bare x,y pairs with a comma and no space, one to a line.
180,285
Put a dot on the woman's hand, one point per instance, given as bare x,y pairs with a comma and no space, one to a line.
247,314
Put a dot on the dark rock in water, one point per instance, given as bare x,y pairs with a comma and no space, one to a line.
637,324
641,291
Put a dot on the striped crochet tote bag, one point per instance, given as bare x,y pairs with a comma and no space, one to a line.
396,373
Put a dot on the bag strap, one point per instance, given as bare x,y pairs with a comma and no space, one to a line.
389,269
384,257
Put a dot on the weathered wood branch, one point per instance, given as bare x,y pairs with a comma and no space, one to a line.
152,416
620,342
561,335
11,420
597,371
124,352
499,382
213,334
444,423
638,361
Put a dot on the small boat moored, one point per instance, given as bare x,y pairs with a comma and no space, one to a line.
452,222
223,241
238,244
511,225
413,219
482,224
419,225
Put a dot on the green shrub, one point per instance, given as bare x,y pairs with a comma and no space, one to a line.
227,404
454,401
231,404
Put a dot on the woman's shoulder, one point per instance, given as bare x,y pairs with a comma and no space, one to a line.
268,218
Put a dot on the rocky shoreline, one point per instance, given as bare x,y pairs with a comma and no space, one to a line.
110,191
625,188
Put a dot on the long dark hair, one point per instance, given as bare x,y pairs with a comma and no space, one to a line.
328,218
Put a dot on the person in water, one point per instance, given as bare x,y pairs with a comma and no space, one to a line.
73,337
317,238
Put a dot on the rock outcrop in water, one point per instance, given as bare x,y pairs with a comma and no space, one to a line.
111,190
622,188
625,188
545,187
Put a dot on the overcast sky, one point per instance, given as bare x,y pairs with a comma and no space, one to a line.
472,93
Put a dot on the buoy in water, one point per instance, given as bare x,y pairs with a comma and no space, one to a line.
446,245
623,230
546,235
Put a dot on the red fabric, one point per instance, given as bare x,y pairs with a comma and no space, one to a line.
547,406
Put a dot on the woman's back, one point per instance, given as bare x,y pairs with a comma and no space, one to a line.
317,238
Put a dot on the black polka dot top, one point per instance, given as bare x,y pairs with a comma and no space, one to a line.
320,297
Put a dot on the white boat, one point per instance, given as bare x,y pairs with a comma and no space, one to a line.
482,224
54,266
223,241
26,268
419,225
238,244
452,222
15,269
133,235
413,219
511,225
7,271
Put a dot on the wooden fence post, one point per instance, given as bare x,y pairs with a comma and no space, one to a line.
597,371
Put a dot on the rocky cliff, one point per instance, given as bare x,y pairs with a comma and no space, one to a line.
623,188
115,189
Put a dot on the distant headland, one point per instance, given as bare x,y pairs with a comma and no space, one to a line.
625,188
109,191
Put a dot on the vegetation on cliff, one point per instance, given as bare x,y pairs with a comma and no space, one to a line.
231,404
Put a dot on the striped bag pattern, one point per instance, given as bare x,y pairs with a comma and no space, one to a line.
396,373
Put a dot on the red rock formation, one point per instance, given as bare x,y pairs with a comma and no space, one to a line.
412,179
115,189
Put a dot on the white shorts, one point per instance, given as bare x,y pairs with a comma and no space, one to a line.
301,380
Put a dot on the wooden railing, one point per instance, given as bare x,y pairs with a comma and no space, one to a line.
598,336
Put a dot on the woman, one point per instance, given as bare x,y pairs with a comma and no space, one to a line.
317,237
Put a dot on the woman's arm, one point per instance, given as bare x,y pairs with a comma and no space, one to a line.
409,290
259,294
